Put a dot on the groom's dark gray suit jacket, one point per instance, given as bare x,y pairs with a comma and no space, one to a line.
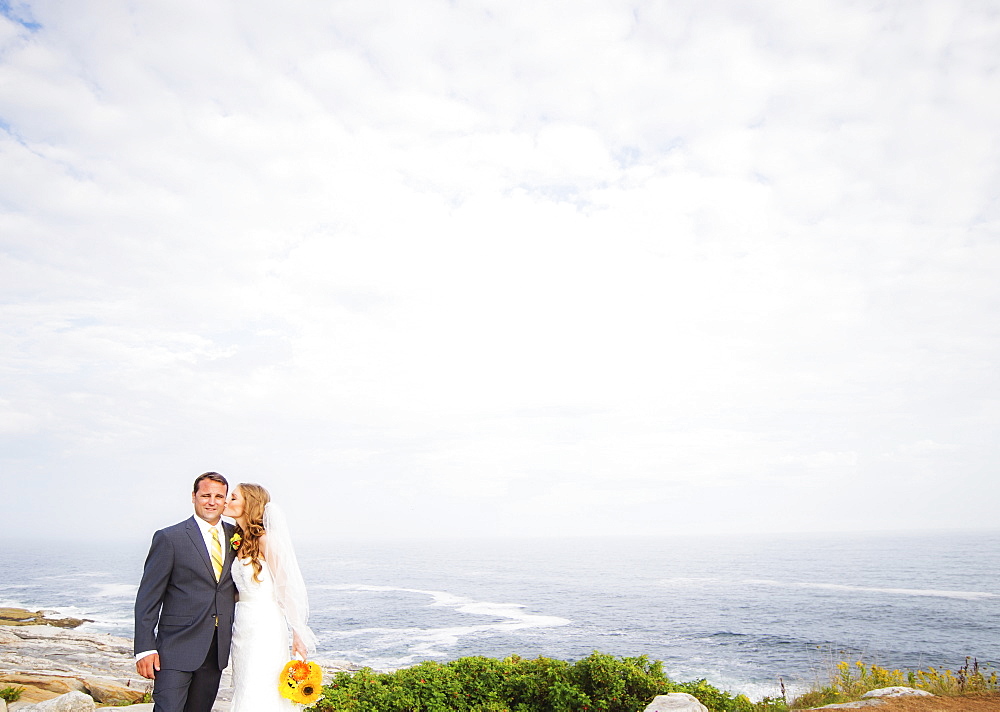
179,600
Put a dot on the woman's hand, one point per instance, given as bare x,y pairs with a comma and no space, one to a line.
298,647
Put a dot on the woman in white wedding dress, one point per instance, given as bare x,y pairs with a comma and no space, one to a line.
272,601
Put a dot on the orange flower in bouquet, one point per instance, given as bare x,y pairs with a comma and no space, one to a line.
301,682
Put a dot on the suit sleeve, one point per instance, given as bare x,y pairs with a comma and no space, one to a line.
149,598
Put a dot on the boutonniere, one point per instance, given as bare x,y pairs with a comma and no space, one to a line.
235,541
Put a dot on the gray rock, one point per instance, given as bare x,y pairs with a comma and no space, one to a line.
75,657
55,651
70,702
676,702
897,691
850,705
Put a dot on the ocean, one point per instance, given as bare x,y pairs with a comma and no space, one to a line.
742,612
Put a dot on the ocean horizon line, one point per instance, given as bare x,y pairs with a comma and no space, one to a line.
420,537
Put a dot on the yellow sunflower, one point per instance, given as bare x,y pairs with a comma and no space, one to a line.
301,682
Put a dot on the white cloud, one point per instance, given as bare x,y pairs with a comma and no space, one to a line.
428,257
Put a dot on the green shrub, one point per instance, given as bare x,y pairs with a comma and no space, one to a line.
11,694
721,701
598,683
623,685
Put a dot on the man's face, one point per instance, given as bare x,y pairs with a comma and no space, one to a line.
209,500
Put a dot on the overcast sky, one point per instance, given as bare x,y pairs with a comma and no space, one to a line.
431,268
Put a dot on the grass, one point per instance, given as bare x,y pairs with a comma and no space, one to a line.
147,696
849,682
11,694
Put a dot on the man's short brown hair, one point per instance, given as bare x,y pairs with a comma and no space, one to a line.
214,476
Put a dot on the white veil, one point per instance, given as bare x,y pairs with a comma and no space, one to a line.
289,588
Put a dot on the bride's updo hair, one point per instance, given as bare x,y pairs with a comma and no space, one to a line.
254,499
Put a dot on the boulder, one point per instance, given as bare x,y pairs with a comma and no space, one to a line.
676,702
40,687
874,698
58,684
70,702
31,695
46,653
897,691
108,692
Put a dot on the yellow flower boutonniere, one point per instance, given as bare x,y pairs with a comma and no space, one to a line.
235,541
301,682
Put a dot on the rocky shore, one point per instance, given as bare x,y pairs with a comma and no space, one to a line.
51,657
19,616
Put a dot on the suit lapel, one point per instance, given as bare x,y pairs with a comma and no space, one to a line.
194,531
230,553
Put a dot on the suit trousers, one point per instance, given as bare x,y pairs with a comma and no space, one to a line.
189,691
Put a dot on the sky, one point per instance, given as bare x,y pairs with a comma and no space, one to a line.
516,269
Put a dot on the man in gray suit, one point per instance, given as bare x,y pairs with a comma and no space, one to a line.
185,604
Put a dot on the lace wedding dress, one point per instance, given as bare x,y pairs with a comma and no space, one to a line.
264,613
260,644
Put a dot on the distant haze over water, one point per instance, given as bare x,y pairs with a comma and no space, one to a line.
739,611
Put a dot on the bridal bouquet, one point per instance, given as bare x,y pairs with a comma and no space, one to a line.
300,682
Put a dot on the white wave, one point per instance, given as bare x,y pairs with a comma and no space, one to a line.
74,575
69,611
19,603
115,621
422,643
688,581
115,590
965,595
514,612
51,611
357,632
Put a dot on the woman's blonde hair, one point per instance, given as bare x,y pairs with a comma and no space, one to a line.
254,499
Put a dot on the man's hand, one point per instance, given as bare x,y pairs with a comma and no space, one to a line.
148,666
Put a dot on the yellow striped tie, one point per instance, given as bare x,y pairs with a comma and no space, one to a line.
216,553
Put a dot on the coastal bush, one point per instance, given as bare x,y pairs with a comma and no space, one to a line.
974,678
598,683
849,682
11,693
